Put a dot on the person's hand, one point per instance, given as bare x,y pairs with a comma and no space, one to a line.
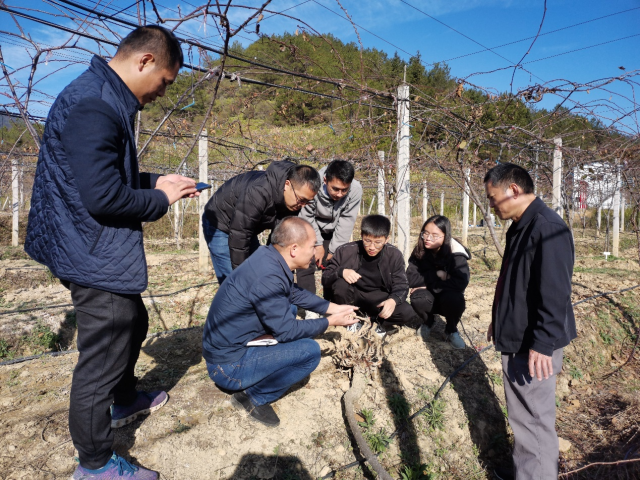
388,306
490,333
540,365
177,190
335,308
411,290
351,276
329,256
173,177
442,275
342,319
319,254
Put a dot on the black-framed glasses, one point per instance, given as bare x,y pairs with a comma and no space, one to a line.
377,243
300,201
430,236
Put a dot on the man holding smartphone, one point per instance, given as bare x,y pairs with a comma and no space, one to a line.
88,204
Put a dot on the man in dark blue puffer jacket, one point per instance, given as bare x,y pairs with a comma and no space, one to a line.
85,224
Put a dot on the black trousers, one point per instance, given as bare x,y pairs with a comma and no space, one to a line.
306,276
344,293
448,303
111,329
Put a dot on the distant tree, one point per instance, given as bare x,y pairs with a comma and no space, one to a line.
439,77
415,70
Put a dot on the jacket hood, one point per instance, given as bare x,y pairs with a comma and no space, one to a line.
458,249
277,174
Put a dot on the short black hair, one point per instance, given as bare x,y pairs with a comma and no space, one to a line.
153,39
289,231
302,175
505,174
340,169
375,225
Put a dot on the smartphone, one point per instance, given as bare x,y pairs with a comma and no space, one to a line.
202,186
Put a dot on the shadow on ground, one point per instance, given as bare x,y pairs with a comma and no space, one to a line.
282,467
475,389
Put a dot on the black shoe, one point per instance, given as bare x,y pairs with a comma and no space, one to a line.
265,415
262,413
502,473
241,401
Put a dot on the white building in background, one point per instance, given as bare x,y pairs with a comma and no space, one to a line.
594,185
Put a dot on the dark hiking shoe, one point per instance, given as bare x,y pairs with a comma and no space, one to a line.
262,413
266,415
145,403
502,473
117,468
241,401
423,332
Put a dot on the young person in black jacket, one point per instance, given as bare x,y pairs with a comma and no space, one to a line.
370,274
438,275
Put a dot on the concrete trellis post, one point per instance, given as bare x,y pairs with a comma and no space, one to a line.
442,203
622,207
557,176
598,220
203,174
15,205
425,201
615,237
403,195
381,195
465,208
475,223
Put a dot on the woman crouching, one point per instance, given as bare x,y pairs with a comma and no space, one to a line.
438,274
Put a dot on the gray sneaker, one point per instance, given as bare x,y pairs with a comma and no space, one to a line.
456,340
423,332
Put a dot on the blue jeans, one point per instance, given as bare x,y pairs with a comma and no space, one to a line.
266,373
218,243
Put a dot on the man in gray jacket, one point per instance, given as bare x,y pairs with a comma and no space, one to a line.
332,215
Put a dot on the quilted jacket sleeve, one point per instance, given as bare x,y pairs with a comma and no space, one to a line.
91,138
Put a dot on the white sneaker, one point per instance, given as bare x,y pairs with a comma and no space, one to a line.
456,341
354,327
311,315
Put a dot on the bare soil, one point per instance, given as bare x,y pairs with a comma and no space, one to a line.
199,435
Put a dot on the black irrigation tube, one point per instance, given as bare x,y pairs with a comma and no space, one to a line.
428,405
447,380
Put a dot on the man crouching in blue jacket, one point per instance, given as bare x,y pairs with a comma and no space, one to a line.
88,204
254,302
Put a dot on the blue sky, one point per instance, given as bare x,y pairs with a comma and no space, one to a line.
442,30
